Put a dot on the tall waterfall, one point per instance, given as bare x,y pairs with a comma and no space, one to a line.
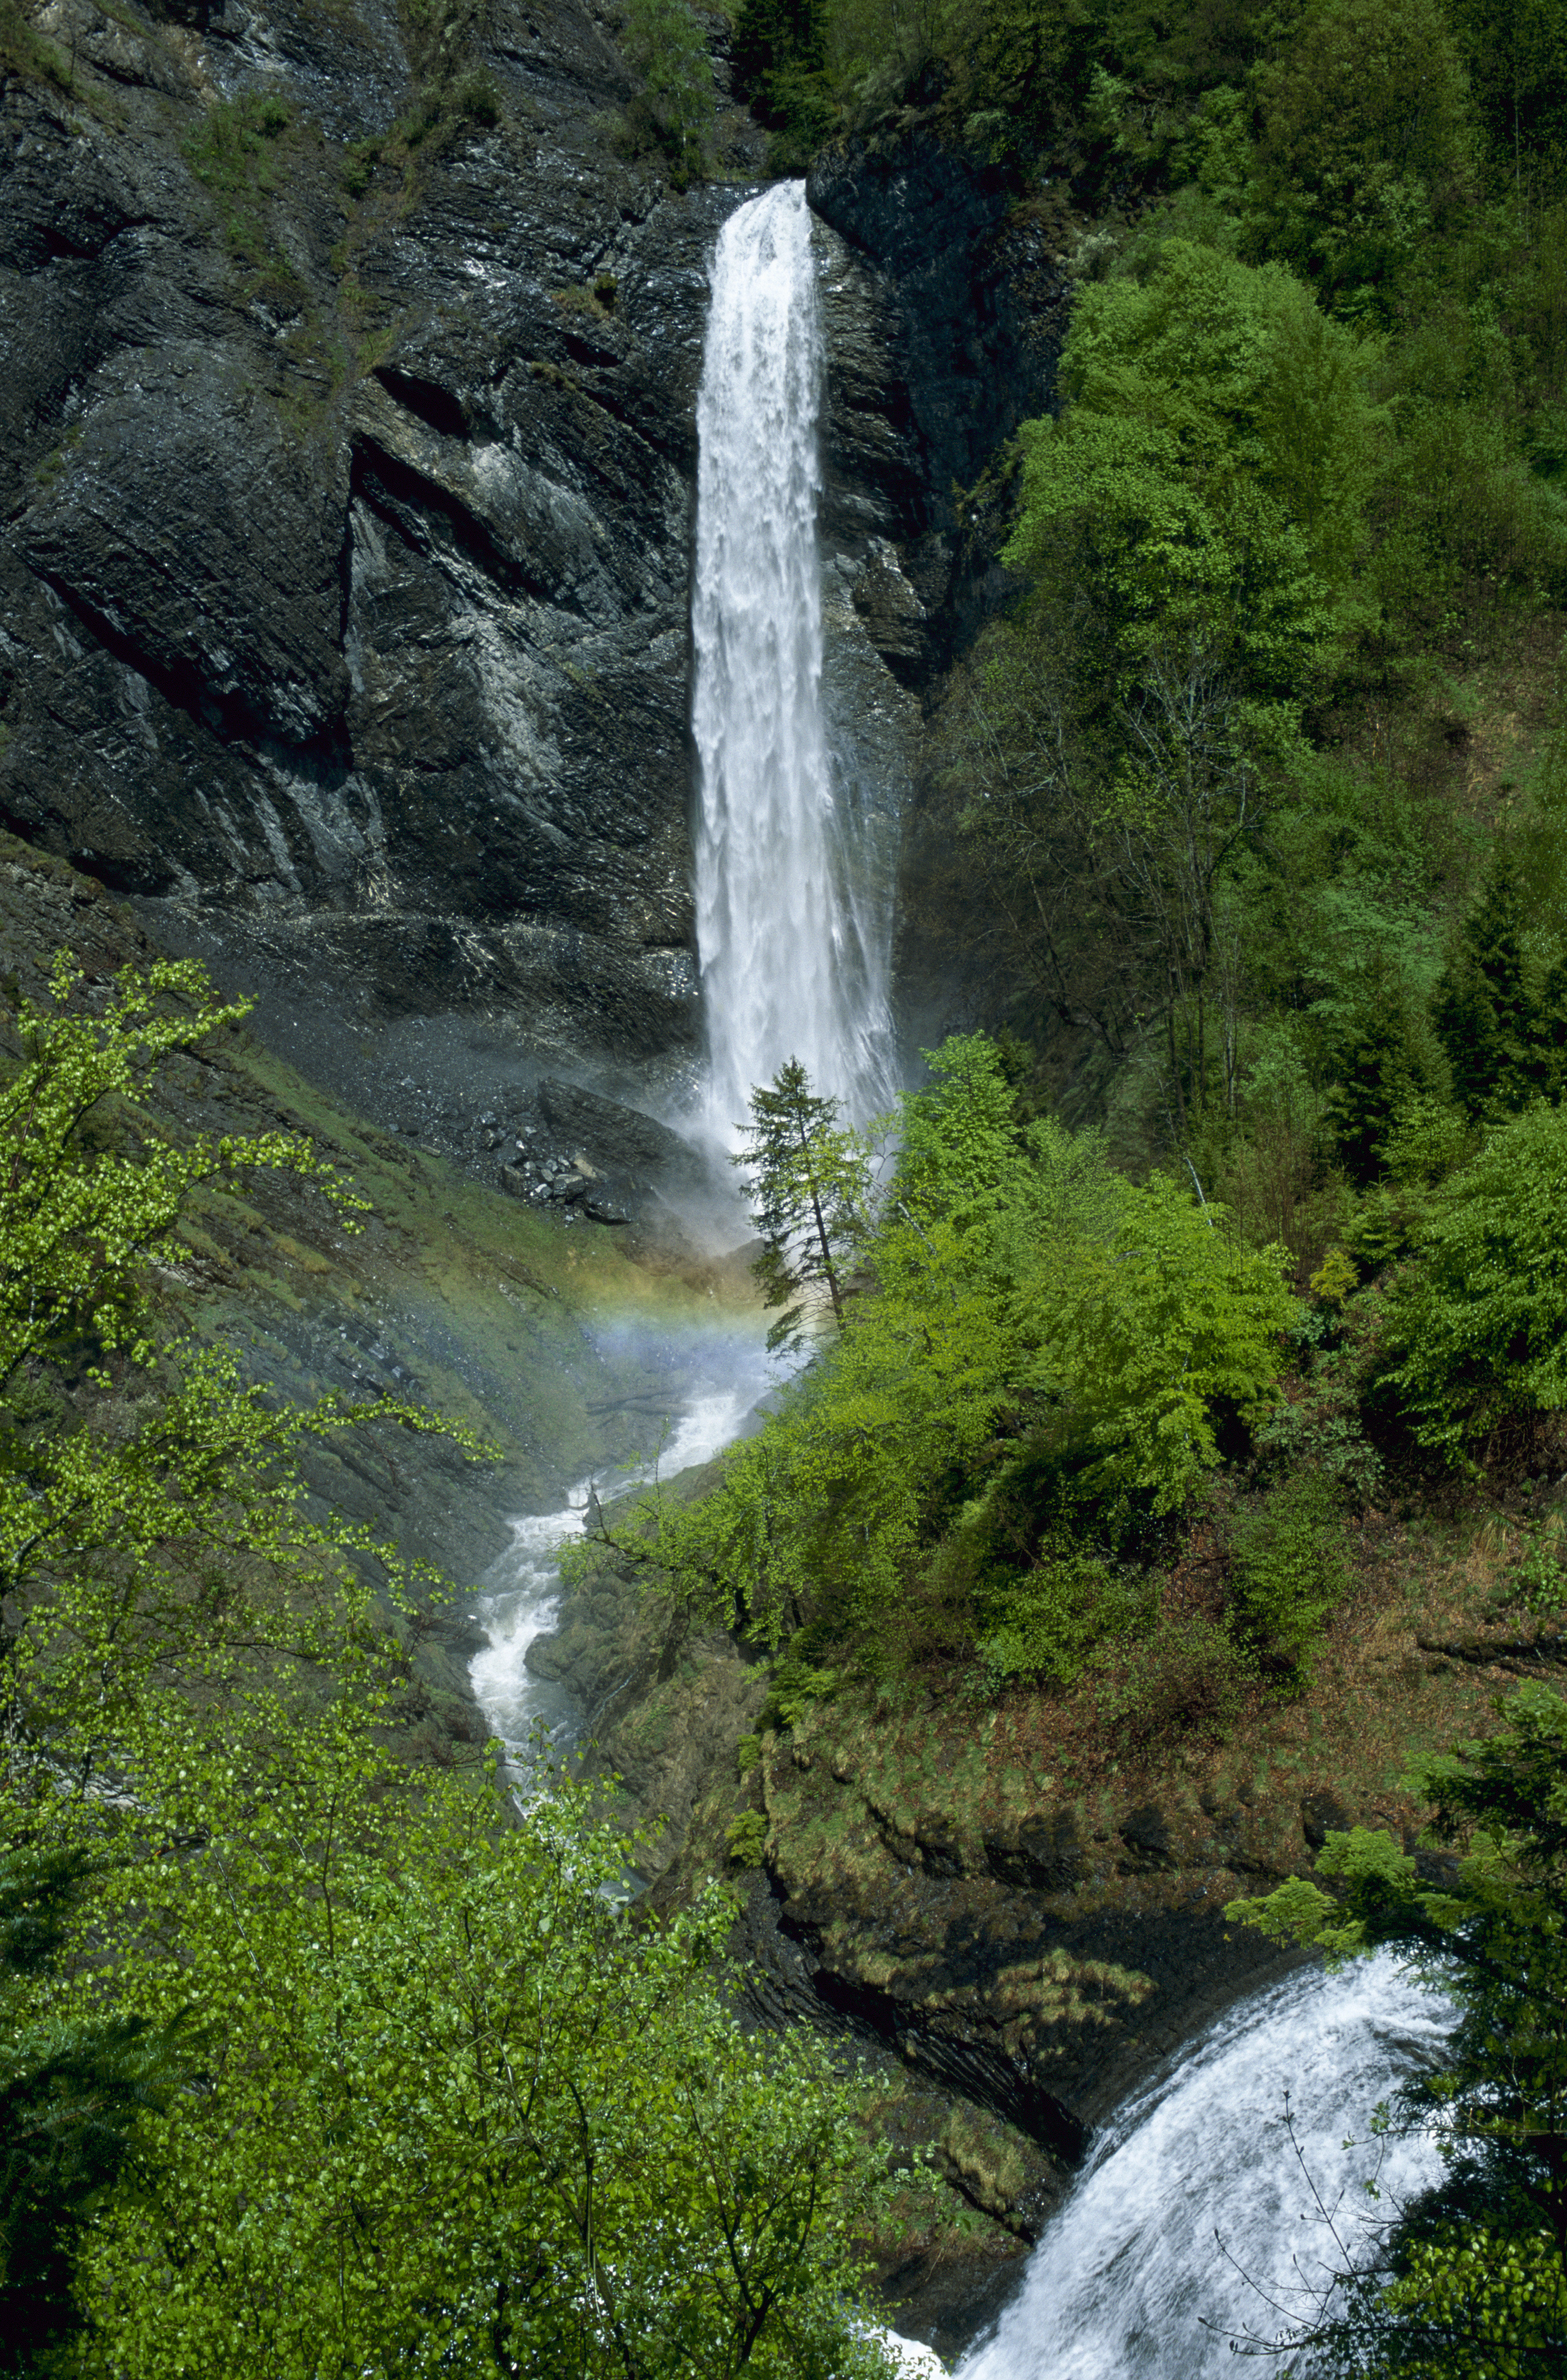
793,949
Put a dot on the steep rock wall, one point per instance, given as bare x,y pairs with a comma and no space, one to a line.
347,496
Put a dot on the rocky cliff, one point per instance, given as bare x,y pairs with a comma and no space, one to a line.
346,439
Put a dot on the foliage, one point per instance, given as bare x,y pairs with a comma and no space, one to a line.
1221,445
808,1181
674,109
1515,54
779,51
1040,1344
1288,1570
1473,2279
460,2111
71,2094
1186,1678
747,1839
1382,1068
152,1523
1191,536
453,2109
1308,458
1365,141
1502,1033
1048,1620
1476,1321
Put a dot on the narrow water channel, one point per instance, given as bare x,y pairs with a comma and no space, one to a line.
519,1598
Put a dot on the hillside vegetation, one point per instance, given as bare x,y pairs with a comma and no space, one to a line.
1193,1337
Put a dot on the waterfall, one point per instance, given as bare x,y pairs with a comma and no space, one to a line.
1129,2278
792,942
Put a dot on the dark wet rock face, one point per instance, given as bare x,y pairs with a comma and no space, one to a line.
349,495
345,575
944,330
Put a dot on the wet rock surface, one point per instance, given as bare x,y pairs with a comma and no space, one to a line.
448,1296
348,476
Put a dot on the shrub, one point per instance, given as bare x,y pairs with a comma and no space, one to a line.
796,1685
476,99
1187,1679
747,1839
1288,1570
1047,1622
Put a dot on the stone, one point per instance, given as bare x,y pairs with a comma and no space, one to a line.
344,564
618,1140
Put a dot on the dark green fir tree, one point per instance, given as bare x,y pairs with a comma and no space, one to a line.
1377,1067
1486,1019
807,1179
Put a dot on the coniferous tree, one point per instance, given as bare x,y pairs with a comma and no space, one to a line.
1378,1069
1486,1017
809,1183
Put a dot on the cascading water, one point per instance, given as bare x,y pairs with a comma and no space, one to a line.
792,922
1129,2272
792,936
519,1597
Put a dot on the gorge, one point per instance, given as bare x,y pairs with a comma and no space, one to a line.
496,601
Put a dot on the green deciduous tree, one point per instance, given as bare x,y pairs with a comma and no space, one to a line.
461,2112
445,2106
1015,1284
1365,140
1471,2283
152,1526
673,108
1190,535
73,2092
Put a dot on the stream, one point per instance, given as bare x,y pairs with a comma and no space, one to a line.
1198,2218
519,1598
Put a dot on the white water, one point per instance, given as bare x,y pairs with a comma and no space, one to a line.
520,1595
1129,2270
793,945
1129,2282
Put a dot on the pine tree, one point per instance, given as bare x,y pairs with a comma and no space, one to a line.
1378,1069
1486,1017
809,1181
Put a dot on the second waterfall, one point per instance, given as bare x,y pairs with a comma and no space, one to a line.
793,951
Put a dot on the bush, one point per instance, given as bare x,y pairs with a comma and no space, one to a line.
1047,1622
1187,1679
1288,1571
747,1839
